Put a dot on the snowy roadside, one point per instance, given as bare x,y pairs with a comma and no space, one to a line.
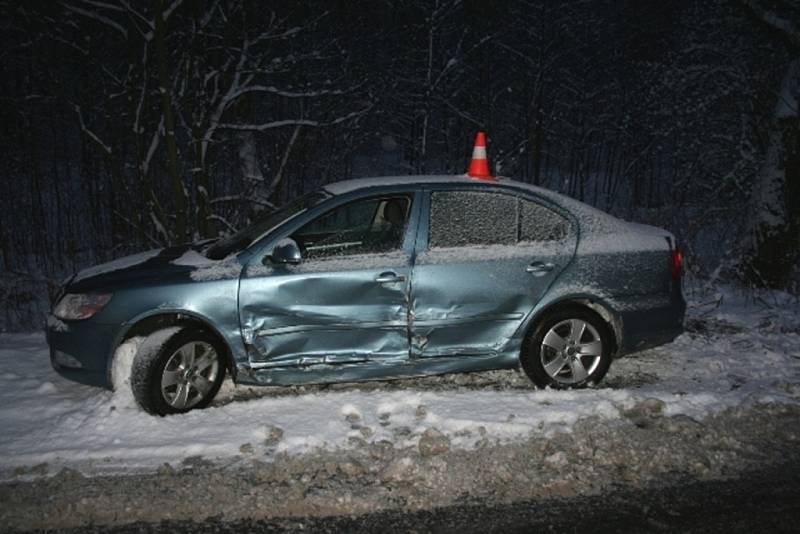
737,352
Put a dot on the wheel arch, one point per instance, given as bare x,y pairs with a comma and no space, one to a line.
148,323
599,307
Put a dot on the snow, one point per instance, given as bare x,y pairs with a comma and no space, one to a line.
346,186
741,350
192,258
474,253
285,242
55,324
226,269
208,269
632,240
121,371
117,265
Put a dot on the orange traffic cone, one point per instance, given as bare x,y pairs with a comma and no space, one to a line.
479,165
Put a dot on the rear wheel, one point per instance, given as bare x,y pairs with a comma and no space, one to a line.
570,348
177,370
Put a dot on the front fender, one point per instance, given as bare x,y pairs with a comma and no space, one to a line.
231,337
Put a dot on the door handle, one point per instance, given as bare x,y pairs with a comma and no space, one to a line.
539,268
389,277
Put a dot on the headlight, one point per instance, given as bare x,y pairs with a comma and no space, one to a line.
74,306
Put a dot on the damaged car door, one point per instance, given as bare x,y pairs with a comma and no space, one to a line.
343,299
488,258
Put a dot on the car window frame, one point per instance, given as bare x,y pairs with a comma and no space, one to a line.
379,197
243,252
259,250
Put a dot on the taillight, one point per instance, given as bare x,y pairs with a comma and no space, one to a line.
676,263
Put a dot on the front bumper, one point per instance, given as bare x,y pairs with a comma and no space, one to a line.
80,350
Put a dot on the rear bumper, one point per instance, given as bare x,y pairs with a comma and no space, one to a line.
650,327
79,350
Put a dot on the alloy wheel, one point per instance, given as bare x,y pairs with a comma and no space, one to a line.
189,375
571,351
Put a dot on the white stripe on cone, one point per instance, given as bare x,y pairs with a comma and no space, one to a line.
479,152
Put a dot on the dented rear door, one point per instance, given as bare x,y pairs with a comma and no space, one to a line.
485,257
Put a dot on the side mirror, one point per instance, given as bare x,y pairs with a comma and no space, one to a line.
286,252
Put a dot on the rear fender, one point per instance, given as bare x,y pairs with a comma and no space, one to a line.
598,305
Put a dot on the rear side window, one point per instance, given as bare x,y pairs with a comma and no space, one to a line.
537,223
465,218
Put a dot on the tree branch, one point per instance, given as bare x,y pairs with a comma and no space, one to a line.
87,131
784,26
98,17
292,122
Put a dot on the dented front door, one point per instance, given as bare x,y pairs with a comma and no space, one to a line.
347,302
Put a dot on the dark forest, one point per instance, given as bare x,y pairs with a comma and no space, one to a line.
133,125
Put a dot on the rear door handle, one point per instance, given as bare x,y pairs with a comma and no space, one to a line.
389,277
539,267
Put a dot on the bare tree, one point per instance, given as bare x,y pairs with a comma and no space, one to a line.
772,246
225,76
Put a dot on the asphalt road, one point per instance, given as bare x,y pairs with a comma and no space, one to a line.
767,501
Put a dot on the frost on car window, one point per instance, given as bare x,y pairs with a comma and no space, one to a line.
462,218
537,223
469,218
370,226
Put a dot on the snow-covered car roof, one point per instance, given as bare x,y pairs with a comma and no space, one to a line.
339,188
347,186
581,210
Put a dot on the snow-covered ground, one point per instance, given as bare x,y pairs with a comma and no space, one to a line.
739,348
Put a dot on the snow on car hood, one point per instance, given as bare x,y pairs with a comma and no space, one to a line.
118,264
155,265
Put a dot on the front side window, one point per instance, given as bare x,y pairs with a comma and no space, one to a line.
368,226
239,241
468,218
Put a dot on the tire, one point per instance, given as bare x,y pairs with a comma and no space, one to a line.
177,370
570,348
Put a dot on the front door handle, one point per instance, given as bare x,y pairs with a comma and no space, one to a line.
539,268
389,277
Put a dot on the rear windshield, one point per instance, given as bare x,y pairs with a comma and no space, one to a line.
242,239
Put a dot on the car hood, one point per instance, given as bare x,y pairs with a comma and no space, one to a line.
183,263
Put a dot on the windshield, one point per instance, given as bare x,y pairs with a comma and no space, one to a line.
244,238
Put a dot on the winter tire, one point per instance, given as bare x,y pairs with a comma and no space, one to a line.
570,348
177,370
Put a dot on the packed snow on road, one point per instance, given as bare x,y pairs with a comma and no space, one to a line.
739,348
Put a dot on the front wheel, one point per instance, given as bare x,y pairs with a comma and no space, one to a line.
177,370
570,348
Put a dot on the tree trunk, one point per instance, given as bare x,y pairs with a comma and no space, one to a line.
164,85
201,178
773,247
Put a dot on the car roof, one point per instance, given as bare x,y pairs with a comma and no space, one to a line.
347,186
